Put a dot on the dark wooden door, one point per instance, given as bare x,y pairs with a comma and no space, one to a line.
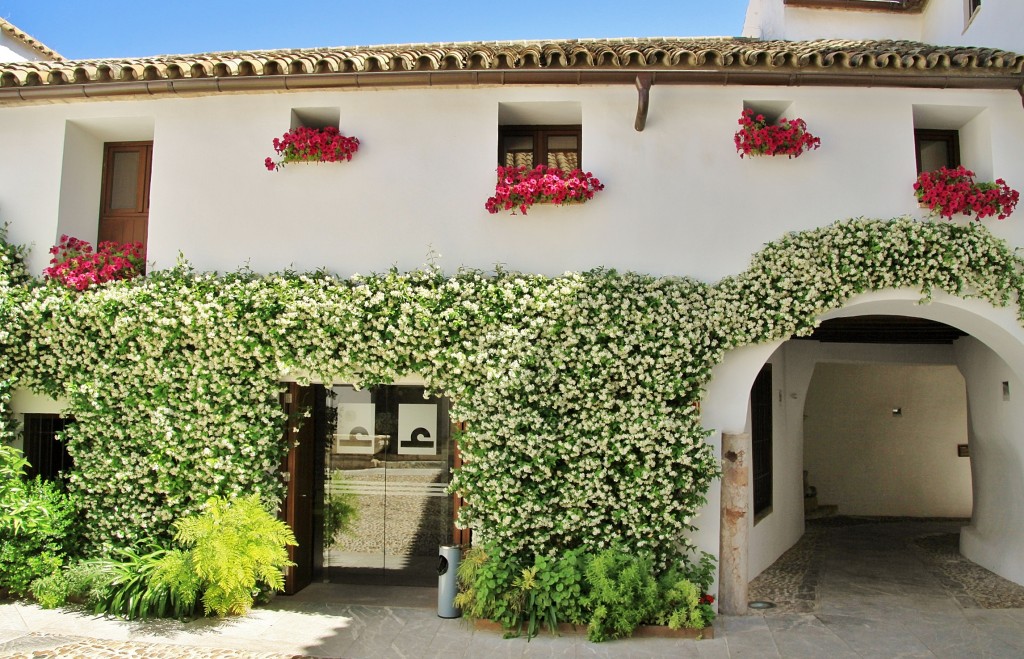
298,503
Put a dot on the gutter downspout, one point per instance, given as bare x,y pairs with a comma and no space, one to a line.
643,88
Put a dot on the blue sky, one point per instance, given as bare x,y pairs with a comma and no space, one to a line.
131,28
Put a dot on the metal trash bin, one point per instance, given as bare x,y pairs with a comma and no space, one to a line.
447,581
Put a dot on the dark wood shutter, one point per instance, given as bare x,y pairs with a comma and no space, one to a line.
298,502
761,438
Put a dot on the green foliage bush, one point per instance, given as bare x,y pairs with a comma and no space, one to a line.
580,393
233,548
123,585
340,510
38,525
612,592
521,597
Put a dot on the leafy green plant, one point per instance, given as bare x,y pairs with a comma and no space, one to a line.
623,593
233,547
522,598
37,525
82,582
124,585
340,510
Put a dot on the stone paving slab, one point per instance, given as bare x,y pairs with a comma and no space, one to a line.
44,646
876,594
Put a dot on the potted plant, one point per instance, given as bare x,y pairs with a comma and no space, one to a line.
756,137
304,144
522,187
947,192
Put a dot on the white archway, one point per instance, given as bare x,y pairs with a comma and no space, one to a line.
991,360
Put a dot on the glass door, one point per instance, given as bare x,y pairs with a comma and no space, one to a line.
386,467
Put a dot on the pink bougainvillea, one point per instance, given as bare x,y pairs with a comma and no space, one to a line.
304,144
787,138
77,266
521,187
947,192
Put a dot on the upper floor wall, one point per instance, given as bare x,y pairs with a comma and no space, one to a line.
678,199
989,23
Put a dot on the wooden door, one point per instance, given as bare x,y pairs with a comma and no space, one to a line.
124,204
298,504
462,537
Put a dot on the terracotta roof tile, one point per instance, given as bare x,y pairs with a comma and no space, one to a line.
34,44
647,54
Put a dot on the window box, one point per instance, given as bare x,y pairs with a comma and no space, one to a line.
948,192
522,187
758,137
304,144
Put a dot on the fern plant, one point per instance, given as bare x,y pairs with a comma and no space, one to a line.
233,547
623,593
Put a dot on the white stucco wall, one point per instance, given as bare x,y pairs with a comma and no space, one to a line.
943,22
678,200
996,534
869,461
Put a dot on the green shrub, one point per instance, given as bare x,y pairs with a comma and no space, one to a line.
340,510
522,599
234,547
37,525
84,582
623,593
126,586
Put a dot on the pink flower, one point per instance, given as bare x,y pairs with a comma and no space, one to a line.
521,187
948,192
756,138
304,144
75,265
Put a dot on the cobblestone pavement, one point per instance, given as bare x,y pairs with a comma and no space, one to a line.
792,582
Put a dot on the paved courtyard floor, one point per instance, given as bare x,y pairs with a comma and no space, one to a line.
856,588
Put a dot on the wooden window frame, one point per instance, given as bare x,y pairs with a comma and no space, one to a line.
950,137
972,7
540,135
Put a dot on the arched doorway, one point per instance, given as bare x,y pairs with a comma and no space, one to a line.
990,358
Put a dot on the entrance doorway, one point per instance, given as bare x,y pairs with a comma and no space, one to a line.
384,463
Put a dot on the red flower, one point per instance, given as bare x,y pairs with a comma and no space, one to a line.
520,187
947,192
75,265
757,138
304,144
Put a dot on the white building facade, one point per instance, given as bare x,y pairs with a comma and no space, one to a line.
678,202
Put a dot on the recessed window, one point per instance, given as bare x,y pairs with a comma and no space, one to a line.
46,454
971,8
936,149
529,146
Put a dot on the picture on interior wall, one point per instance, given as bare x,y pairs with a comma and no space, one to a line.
355,432
417,429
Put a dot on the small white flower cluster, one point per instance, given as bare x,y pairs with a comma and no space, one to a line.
581,392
